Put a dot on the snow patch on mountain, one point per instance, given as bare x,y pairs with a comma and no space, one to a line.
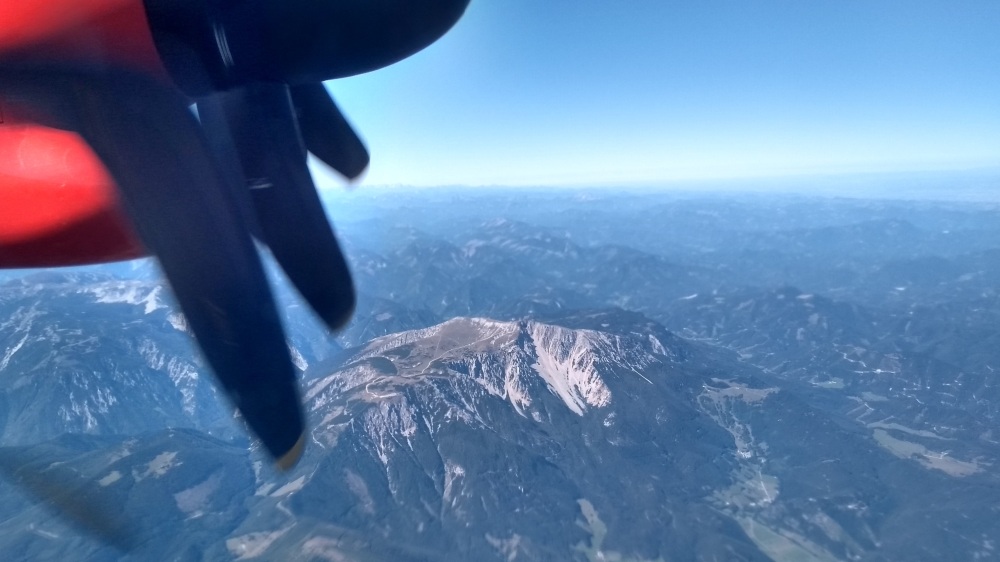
83,411
128,292
658,347
110,479
9,353
125,451
157,467
178,321
297,359
194,501
183,374
453,475
78,411
253,545
22,319
19,322
293,486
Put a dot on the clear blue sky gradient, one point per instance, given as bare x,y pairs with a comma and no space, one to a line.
541,92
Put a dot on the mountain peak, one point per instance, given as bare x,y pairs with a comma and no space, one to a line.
526,363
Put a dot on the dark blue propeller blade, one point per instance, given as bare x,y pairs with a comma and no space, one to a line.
193,218
326,132
262,124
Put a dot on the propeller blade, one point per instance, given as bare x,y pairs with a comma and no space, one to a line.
187,212
77,501
326,132
261,123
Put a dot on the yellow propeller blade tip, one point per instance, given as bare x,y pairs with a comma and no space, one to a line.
293,455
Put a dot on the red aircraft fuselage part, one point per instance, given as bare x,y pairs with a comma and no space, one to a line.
58,204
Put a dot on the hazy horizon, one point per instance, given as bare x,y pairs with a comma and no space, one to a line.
975,184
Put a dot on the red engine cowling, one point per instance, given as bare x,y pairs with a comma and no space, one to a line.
58,204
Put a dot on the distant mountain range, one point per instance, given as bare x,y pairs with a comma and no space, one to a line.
528,389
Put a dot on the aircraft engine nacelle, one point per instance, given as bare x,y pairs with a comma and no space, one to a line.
58,204
102,158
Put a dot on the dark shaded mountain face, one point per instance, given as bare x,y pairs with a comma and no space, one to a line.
166,495
883,370
541,376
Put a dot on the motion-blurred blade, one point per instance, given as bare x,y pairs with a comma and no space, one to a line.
262,125
326,132
187,213
75,500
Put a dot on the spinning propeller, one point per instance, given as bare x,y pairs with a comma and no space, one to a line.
102,159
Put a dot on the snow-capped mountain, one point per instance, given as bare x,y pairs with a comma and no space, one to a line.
486,438
101,355
97,356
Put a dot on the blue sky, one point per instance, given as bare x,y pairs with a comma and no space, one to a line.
541,92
